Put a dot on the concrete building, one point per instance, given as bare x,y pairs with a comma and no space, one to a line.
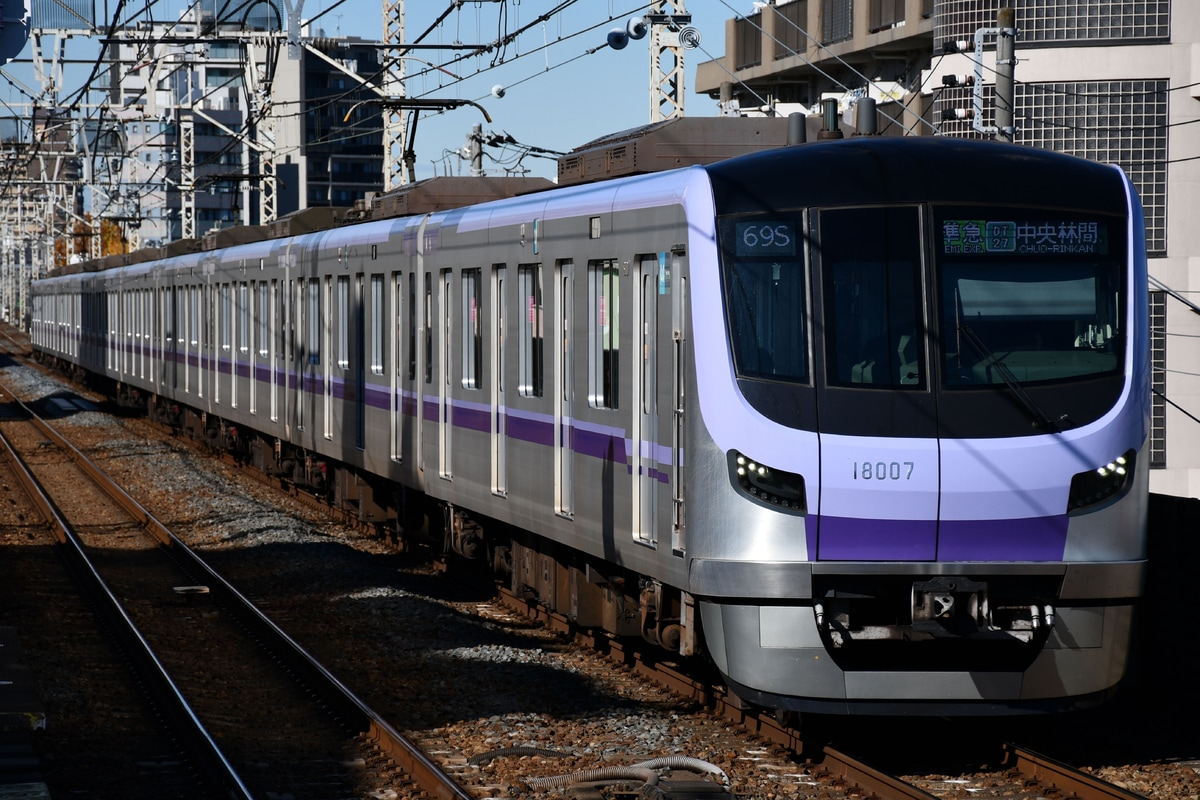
1116,82
229,93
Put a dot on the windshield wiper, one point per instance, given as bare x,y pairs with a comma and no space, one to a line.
1040,418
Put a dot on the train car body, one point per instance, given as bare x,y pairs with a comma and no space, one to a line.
862,420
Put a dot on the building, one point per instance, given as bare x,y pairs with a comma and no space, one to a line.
220,127
1111,81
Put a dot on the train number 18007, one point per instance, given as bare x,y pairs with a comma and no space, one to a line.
883,470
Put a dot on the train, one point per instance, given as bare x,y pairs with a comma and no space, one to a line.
861,422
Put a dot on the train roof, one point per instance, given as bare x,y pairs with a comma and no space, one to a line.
768,174
671,144
912,169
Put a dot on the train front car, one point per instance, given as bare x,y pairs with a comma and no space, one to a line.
916,481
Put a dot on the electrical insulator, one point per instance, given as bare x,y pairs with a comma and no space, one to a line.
952,81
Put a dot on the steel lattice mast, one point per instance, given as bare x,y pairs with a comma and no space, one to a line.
394,127
670,34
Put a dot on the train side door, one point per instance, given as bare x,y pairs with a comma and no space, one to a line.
444,377
877,417
425,363
358,363
276,354
334,364
288,314
172,337
679,304
499,404
192,365
645,401
564,393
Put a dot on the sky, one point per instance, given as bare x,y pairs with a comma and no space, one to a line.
563,86
557,96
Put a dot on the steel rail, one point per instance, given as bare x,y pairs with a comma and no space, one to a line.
1071,782
423,771
171,701
870,780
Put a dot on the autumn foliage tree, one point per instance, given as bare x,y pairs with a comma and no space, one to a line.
77,246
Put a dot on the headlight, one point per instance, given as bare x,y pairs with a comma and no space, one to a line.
770,487
1106,482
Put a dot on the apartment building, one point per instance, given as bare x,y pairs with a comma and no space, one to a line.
1113,81
210,111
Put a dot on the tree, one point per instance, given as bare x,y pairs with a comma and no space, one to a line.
112,238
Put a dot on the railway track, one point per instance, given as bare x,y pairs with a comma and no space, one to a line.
253,713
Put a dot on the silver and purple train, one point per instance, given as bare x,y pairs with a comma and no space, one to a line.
862,420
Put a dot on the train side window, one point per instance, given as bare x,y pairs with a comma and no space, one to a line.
871,276
343,321
314,322
377,354
604,333
264,319
429,327
208,323
194,316
243,331
412,326
472,328
529,290
499,306
226,316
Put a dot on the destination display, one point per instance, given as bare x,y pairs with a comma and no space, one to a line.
1026,237
766,238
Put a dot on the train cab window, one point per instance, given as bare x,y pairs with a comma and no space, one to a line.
765,296
1027,300
870,262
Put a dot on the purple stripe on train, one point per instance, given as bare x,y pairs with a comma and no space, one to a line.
1030,539
472,417
603,442
529,428
849,539
844,539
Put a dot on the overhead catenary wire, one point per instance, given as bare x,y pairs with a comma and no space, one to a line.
343,136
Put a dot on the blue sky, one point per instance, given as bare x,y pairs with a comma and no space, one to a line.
557,95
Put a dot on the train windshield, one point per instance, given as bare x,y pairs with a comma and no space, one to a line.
870,260
765,296
1027,300
1021,297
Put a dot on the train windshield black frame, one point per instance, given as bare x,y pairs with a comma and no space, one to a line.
766,296
1029,301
